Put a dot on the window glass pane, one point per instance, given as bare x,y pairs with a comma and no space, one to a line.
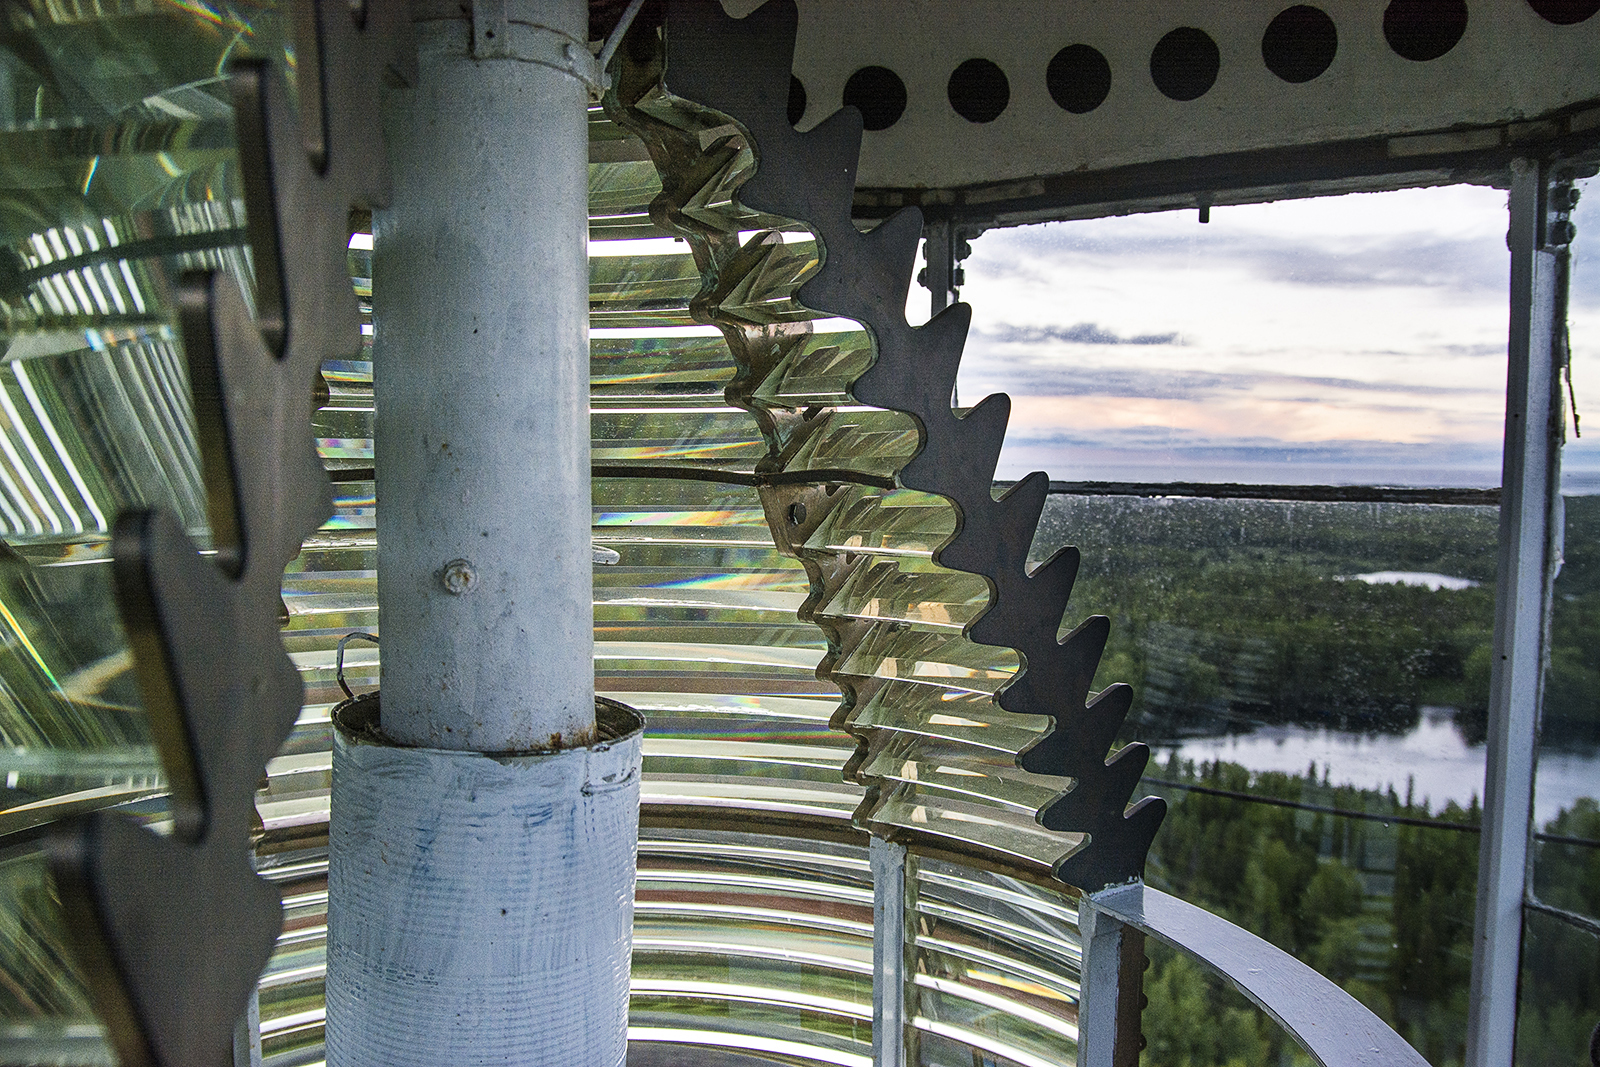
1354,340
1567,784
1580,459
1560,994
1319,736
1312,674
1179,990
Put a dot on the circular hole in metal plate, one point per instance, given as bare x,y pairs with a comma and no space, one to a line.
1184,63
1300,43
1420,30
978,90
1079,78
1564,12
879,94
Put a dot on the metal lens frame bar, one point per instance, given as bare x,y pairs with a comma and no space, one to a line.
173,931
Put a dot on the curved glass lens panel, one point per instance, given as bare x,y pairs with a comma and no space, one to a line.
118,172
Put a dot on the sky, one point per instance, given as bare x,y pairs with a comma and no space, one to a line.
1357,339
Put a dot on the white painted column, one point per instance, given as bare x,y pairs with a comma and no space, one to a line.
480,908
481,382
485,815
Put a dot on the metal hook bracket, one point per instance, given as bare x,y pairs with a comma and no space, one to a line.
338,664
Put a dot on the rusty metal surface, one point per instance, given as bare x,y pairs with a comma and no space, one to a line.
173,931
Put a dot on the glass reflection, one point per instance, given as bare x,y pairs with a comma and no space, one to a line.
1559,1003
1313,678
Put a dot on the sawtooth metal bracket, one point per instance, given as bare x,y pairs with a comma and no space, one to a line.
173,931
741,68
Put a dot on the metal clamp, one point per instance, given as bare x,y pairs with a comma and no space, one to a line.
491,30
497,35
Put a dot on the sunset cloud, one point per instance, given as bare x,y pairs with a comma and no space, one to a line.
1368,329
1084,333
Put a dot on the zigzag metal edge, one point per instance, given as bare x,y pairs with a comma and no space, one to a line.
864,276
173,932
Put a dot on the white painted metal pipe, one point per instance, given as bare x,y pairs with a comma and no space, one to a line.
481,845
482,906
481,382
1530,531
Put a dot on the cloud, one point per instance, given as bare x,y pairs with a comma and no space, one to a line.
1495,348
1383,419
1156,454
1048,373
1586,249
1036,378
1201,443
1367,261
1456,264
1084,333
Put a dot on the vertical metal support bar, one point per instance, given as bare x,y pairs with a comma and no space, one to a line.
482,836
889,943
1529,514
939,237
940,250
247,1035
1101,938
1111,982
481,381
1130,999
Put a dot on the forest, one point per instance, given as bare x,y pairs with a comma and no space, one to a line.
1383,909
1232,615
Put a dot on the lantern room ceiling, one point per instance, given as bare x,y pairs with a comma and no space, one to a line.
1004,111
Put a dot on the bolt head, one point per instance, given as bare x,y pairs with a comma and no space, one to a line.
459,577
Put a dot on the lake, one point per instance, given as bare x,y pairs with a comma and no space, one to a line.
1433,756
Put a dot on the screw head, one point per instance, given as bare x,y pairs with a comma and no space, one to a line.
459,577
